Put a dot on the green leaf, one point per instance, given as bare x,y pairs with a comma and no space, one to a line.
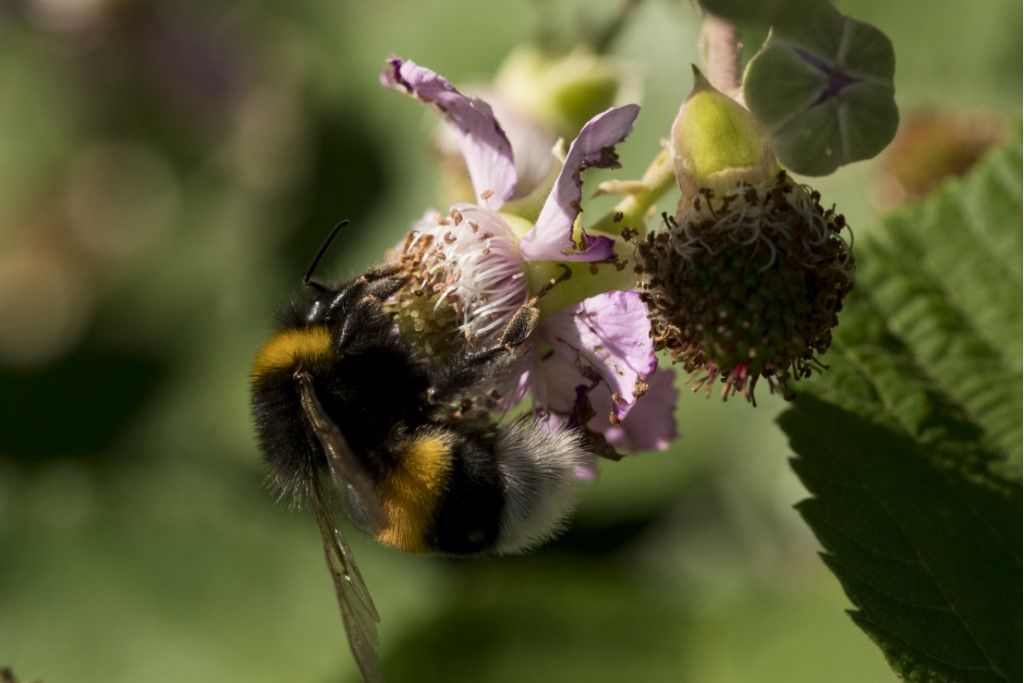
946,277
828,102
928,557
911,444
821,85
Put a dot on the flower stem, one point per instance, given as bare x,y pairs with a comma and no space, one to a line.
630,212
720,47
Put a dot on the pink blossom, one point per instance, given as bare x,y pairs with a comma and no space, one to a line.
601,343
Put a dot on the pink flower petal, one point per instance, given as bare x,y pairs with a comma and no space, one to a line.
650,425
532,144
552,382
484,144
551,237
604,338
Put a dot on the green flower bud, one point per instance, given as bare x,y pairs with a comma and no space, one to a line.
717,143
560,91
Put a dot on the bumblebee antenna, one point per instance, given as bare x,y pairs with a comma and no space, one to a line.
307,279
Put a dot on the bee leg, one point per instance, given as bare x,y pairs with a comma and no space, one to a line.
521,326
382,281
359,304
379,282
347,296
383,289
524,321
473,366
455,379
382,271
364,318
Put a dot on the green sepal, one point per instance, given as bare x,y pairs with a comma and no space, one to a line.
717,143
585,280
825,105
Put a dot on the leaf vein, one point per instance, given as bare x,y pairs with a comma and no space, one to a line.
922,652
928,570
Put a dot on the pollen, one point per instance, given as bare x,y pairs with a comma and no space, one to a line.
465,274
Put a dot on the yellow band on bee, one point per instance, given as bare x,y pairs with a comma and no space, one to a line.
411,492
287,347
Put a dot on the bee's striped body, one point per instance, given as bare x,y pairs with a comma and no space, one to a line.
445,483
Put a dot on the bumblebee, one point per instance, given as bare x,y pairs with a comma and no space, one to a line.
339,393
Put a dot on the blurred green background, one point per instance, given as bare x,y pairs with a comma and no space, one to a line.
166,170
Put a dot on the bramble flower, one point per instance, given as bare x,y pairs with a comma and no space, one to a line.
474,266
746,281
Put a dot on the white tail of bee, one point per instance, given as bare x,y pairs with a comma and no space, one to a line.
538,466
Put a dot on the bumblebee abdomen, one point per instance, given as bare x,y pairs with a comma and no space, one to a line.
466,492
411,492
468,517
442,495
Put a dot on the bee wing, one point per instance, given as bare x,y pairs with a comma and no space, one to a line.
358,493
362,505
357,609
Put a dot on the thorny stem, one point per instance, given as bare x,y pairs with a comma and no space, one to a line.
720,47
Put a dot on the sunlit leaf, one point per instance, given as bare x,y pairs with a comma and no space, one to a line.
910,445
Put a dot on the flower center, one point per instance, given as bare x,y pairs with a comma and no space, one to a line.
747,284
465,273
